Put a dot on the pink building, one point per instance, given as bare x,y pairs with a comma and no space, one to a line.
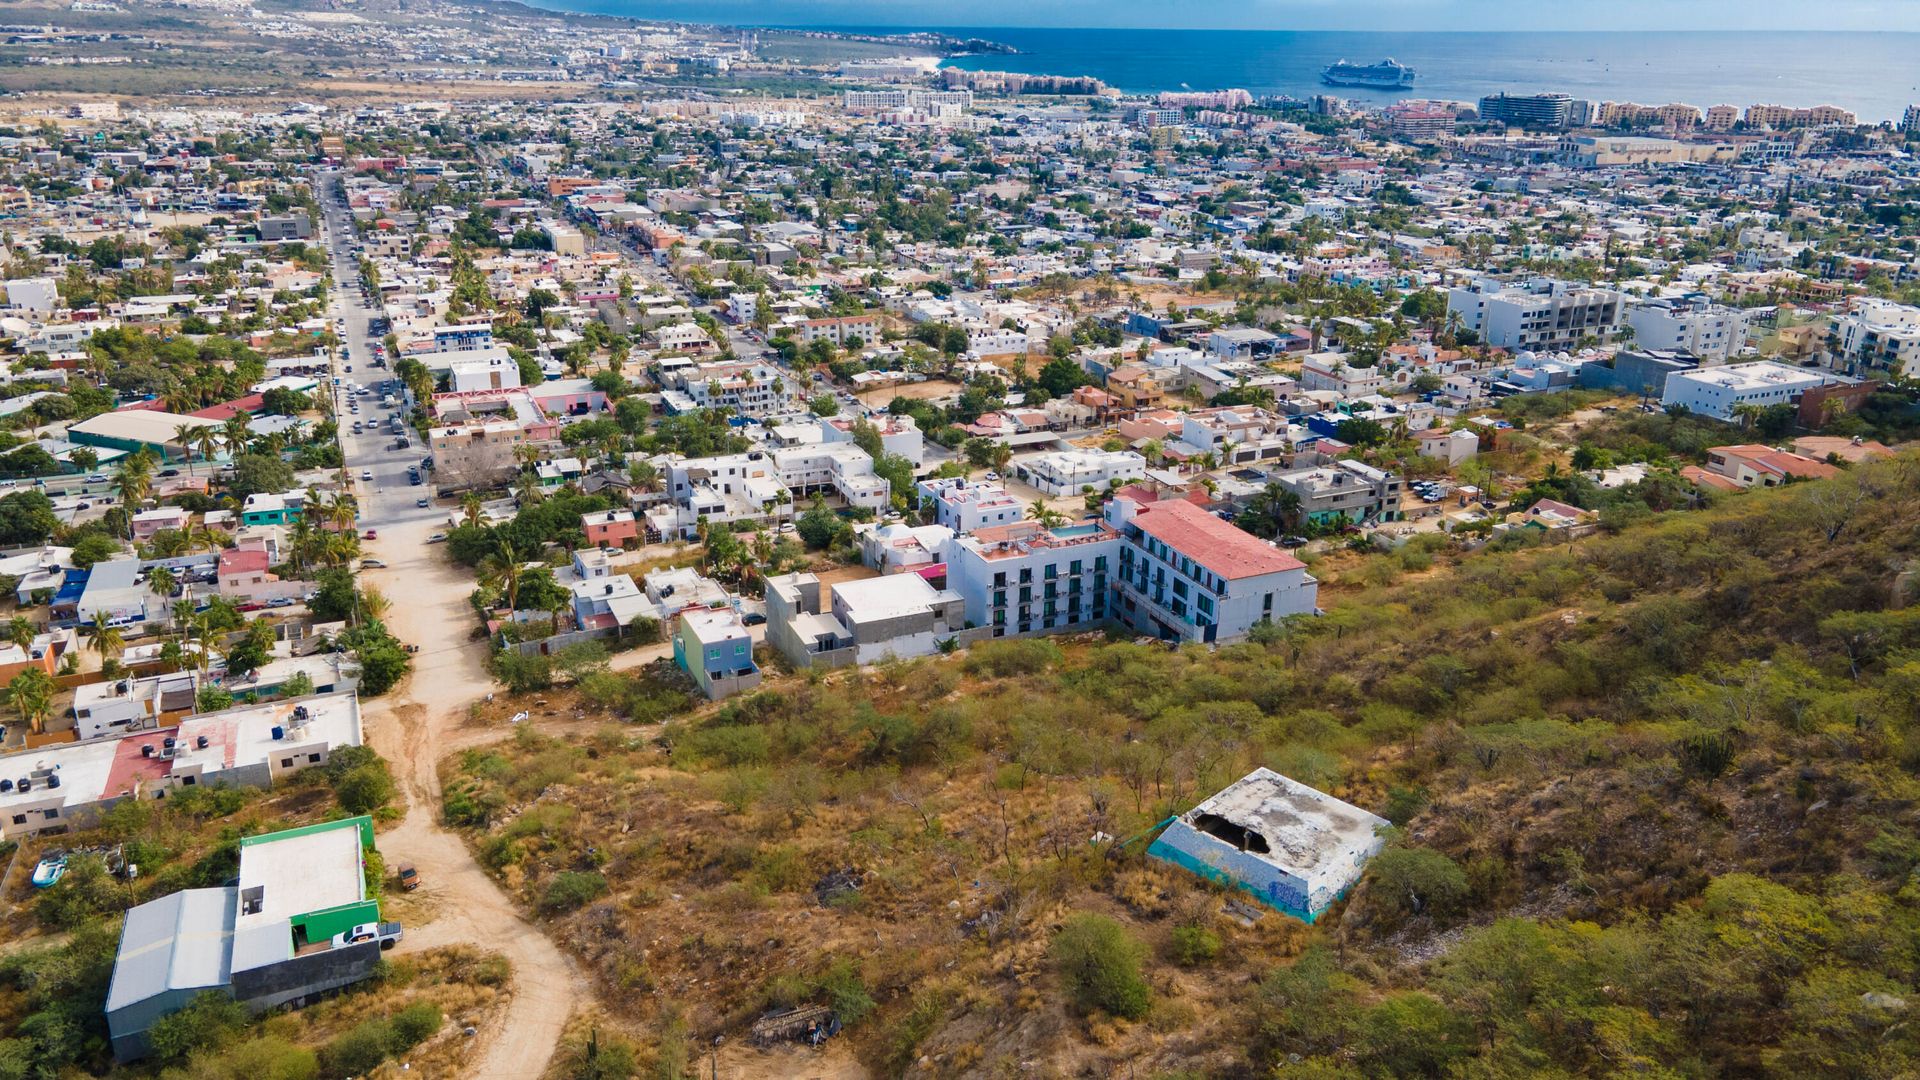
611,528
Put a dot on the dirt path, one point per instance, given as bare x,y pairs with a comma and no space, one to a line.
413,727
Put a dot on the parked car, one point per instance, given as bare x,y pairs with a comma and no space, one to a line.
409,877
366,474
280,601
371,534
423,502
387,934
372,564
753,618
437,538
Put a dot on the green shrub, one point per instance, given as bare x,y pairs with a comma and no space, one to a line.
358,1050
207,1021
1100,964
415,1024
1418,881
1194,945
572,889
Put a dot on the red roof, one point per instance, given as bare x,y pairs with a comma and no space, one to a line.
1211,542
250,404
243,560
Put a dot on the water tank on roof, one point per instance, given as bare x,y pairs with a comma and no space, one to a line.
53,781
146,749
25,785
279,733
6,785
200,741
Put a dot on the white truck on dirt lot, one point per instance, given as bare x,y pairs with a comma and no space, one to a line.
386,933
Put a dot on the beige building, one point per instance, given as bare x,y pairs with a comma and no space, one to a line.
475,455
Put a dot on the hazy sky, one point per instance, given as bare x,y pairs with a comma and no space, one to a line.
1654,15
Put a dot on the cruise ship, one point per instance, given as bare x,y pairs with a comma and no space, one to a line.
1388,74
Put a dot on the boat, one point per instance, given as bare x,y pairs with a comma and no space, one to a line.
49,871
1388,74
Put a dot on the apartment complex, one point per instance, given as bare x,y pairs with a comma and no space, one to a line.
1527,110
1713,333
1186,575
1876,336
1026,577
1539,314
1721,392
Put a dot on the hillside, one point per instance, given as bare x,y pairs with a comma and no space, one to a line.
1657,793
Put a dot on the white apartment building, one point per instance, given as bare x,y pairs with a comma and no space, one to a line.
1236,434
1718,391
1069,472
898,434
749,389
1876,336
841,469
1026,578
493,370
1712,332
1540,315
997,341
1186,575
967,506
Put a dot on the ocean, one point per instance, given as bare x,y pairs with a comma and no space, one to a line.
1877,75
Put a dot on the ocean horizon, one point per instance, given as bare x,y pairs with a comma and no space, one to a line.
1699,67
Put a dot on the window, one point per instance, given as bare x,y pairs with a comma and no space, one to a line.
19,819
286,763
52,812
313,759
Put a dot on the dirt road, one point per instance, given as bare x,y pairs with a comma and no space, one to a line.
413,727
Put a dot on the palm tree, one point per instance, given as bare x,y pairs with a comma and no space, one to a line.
557,605
106,640
1046,515
504,566
645,476
162,581
206,440
31,695
235,433
471,504
526,488
188,436
133,484
21,631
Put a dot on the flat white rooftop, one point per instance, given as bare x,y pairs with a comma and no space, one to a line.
299,872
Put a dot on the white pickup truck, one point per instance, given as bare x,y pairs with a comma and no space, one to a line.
386,933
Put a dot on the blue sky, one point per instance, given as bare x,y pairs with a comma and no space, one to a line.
1653,15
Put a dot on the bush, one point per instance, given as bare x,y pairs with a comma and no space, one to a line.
207,1021
1019,656
365,789
357,1051
1100,964
1194,945
571,890
414,1025
1418,881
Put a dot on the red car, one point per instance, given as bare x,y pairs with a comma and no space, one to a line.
255,606
372,534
